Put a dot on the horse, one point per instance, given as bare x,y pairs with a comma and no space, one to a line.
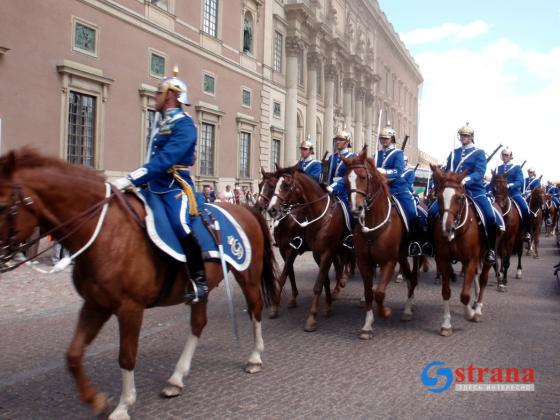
121,273
324,224
288,235
379,237
551,216
459,237
511,241
537,207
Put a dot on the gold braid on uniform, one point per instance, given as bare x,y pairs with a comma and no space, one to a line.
187,189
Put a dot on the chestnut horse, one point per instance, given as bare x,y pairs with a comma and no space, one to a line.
321,216
288,236
537,207
552,215
459,237
122,272
511,241
379,237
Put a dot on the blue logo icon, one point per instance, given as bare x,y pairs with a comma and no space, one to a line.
431,380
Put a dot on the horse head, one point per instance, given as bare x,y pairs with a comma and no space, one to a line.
537,200
286,191
266,189
500,188
452,200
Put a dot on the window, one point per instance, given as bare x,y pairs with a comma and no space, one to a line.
274,152
277,62
248,33
207,149
277,109
300,68
210,17
157,65
85,38
244,155
209,84
81,129
150,120
246,97
162,4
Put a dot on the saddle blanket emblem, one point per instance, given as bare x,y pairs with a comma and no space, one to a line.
237,248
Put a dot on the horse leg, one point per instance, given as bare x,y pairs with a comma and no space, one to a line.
328,294
130,321
324,266
175,384
470,274
252,291
412,281
502,286
289,257
341,275
366,270
483,281
446,329
386,274
90,322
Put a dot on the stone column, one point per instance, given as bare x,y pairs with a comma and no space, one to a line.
293,46
313,60
347,105
328,126
358,110
369,119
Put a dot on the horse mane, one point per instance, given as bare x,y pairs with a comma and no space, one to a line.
451,177
29,158
292,170
377,176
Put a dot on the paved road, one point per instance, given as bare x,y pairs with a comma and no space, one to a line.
326,374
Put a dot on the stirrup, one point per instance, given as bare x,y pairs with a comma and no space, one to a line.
296,242
414,249
348,242
199,292
427,249
491,256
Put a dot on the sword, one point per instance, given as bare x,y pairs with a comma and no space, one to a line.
377,136
523,164
214,229
489,158
404,142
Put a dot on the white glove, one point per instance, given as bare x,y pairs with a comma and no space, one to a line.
123,184
465,180
330,188
382,171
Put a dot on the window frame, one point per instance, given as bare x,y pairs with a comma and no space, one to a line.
215,18
279,116
278,142
95,128
152,52
239,173
213,149
250,91
213,76
75,21
277,64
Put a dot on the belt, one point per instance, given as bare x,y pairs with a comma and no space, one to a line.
187,189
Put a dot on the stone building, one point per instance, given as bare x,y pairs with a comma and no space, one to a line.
78,79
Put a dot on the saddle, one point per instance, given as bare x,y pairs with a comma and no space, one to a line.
480,216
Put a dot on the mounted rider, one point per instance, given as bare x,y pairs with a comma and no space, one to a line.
167,177
515,185
468,158
530,183
390,162
409,175
336,168
307,163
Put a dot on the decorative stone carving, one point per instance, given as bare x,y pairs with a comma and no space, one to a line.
330,72
294,45
314,59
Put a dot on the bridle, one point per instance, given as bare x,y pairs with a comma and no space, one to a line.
369,196
464,207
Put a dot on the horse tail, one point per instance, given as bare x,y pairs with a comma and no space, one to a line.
269,272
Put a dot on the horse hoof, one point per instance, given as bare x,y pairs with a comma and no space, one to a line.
518,276
477,318
446,332
366,335
122,415
502,288
399,278
253,367
406,316
310,326
335,293
273,313
171,391
99,404
385,312
292,304
328,312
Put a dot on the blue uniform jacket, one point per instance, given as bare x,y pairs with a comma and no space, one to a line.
514,177
174,144
392,160
311,167
472,160
530,184
409,176
337,170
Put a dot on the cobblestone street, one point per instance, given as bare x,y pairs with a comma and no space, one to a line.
326,374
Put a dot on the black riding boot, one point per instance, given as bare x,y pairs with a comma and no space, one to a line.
195,273
528,228
414,249
428,243
491,243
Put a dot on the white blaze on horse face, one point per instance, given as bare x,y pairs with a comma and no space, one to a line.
352,179
448,194
274,198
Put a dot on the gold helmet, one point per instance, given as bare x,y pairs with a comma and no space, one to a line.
388,133
307,144
466,129
507,152
177,85
344,134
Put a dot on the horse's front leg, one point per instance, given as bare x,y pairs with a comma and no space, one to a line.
320,281
483,281
412,281
130,317
289,255
365,266
340,274
387,271
470,274
446,329
90,322
175,384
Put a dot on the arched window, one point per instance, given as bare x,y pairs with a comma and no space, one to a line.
248,33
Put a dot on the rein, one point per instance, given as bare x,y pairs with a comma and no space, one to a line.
13,248
464,207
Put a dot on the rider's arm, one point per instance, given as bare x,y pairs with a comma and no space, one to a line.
396,165
516,179
476,174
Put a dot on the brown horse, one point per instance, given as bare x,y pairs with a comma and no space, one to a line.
537,207
289,237
122,272
459,237
379,237
551,216
511,241
324,227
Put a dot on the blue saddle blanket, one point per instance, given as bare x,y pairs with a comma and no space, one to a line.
237,248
